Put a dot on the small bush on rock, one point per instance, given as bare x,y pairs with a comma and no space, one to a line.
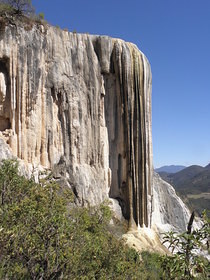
17,6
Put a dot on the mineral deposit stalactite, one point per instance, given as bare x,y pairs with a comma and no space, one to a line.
128,121
84,101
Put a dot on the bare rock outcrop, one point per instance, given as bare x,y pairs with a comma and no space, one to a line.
5,151
168,210
83,103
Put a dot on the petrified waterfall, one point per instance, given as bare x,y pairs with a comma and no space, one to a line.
83,102
128,119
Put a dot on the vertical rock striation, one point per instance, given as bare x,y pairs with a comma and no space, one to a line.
83,102
128,119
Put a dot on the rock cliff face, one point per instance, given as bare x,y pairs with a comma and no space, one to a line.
84,103
168,211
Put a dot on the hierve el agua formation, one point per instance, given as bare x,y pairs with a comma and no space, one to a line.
84,103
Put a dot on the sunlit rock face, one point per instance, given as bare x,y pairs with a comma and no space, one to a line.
168,211
82,103
5,152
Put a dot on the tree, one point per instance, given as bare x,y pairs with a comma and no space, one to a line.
5,8
19,7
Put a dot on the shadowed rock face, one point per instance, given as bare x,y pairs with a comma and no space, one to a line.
84,103
127,114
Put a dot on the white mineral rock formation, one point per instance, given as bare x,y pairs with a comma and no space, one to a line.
83,100
168,210
5,151
81,105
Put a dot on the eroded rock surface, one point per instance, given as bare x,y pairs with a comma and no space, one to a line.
5,151
168,210
82,103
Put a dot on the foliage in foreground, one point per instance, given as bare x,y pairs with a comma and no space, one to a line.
43,237
185,263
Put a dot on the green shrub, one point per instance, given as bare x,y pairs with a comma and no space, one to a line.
18,6
186,263
41,16
5,8
35,231
42,236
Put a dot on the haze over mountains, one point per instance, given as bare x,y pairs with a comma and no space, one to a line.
192,183
170,168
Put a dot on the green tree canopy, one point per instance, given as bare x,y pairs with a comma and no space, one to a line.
18,6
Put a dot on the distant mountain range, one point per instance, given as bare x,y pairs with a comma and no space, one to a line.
170,168
192,184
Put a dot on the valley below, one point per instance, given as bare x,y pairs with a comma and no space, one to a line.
192,184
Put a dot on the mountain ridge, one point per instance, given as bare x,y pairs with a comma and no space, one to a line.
170,168
193,185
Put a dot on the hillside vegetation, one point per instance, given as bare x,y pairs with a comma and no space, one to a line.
193,185
44,236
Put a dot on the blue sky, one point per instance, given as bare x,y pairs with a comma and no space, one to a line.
175,37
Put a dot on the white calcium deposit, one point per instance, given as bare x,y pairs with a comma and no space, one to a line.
80,105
